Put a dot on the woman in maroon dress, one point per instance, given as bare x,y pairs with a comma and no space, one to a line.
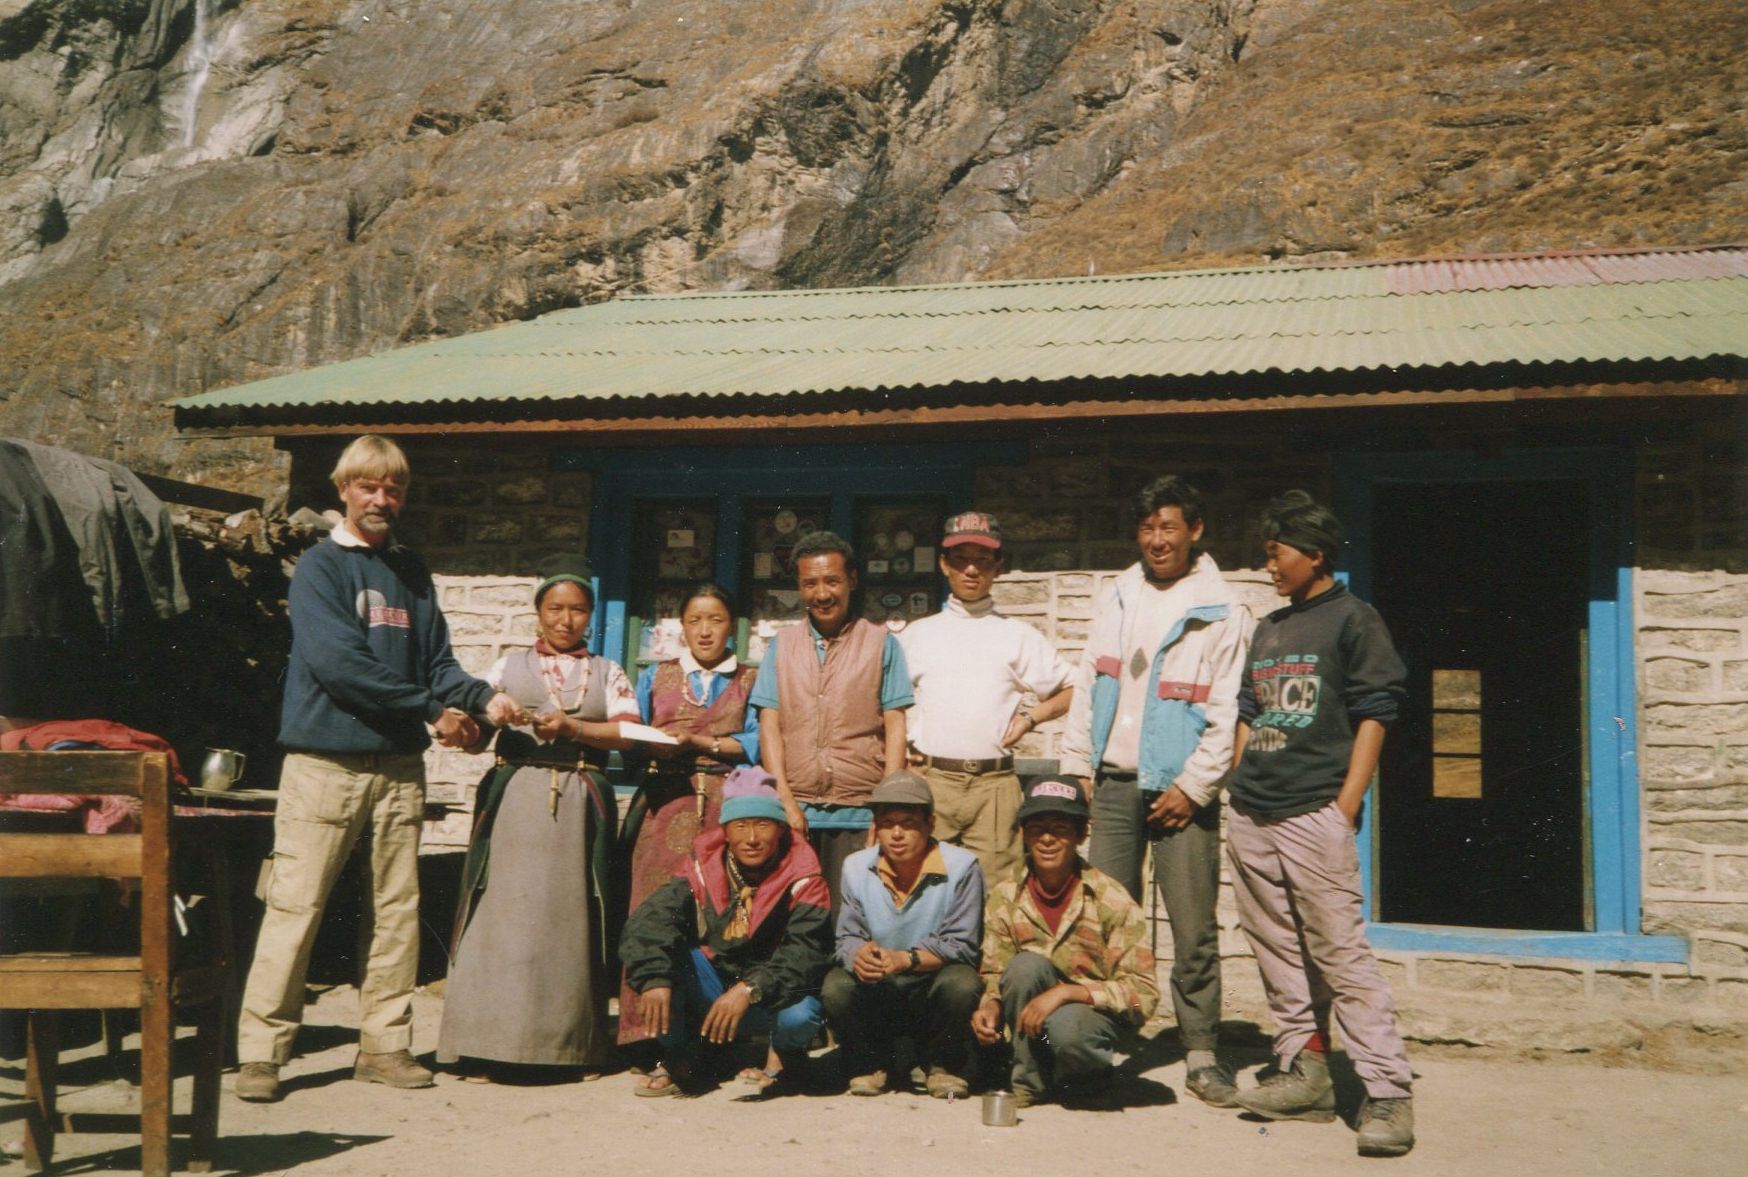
700,698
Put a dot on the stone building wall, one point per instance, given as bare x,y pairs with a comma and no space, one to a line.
483,514
1691,609
1069,507
488,616
487,508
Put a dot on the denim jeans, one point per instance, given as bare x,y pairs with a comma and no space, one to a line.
790,1028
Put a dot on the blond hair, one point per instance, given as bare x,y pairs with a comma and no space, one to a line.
371,456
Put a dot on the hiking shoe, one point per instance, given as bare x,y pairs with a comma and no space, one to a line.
873,1083
1025,1097
1303,1093
395,1068
1213,1086
944,1084
258,1082
1386,1127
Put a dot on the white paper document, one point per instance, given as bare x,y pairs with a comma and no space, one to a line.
643,732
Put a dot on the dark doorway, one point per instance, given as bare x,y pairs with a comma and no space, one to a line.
1485,586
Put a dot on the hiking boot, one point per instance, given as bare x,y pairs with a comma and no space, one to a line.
1025,1097
1386,1127
1213,1086
1303,1093
873,1083
944,1084
395,1068
258,1082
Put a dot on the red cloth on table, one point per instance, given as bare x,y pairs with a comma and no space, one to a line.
102,814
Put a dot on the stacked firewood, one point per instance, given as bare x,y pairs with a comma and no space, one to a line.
212,677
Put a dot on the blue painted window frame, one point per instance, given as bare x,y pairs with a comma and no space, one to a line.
1612,793
846,474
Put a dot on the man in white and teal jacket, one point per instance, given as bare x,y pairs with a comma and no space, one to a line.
1150,733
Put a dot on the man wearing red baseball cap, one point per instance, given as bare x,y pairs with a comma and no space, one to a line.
972,670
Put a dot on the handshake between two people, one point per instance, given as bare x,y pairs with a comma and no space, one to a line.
457,729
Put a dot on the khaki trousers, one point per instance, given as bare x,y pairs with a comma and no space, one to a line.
325,803
977,812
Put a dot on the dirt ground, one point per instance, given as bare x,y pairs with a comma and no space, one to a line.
1475,1116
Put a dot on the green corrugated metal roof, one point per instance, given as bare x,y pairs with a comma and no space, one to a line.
1625,307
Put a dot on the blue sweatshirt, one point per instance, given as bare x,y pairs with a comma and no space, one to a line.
944,913
370,657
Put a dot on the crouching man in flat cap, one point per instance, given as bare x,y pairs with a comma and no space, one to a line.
909,931
1065,956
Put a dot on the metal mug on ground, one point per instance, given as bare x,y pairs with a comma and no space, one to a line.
999,1109
221,768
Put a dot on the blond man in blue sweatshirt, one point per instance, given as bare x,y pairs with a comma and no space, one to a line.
371,669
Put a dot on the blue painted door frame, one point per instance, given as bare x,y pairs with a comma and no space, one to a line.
1612,790
846,474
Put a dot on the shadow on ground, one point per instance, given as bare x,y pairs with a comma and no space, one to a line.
241,1156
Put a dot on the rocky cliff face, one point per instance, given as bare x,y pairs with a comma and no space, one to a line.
202,192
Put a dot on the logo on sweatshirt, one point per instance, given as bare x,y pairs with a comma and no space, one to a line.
1287,690
374,610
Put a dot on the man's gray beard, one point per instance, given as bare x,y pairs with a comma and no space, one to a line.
377,524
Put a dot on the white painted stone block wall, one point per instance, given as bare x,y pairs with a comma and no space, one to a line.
488,615
1693,715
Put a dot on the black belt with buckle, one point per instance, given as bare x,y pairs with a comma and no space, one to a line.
970,767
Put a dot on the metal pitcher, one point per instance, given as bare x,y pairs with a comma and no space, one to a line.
222,768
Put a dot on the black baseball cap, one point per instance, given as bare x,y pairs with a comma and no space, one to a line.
1054,794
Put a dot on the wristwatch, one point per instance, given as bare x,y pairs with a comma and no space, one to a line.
752,989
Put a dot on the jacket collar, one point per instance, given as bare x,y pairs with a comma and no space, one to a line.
690,665
345,537
1334,593
705,873
958,608
1204,582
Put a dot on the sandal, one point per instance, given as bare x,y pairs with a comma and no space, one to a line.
761,1077
645,1087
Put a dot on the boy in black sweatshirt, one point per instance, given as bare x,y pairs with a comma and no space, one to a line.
1321,684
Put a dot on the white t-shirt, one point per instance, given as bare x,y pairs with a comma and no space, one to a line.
1156,611
970,670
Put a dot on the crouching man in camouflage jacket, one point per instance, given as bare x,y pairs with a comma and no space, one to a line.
1065,956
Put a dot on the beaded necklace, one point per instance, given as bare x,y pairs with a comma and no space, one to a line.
553,675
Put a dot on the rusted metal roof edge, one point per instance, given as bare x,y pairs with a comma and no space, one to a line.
914,406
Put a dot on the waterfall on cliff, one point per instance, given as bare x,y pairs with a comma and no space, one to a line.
200,51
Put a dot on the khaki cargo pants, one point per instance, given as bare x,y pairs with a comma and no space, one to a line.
977,812
325,803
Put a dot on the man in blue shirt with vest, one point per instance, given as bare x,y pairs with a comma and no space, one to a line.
910,931
831,697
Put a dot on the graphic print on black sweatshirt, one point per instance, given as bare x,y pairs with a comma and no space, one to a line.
1287,692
